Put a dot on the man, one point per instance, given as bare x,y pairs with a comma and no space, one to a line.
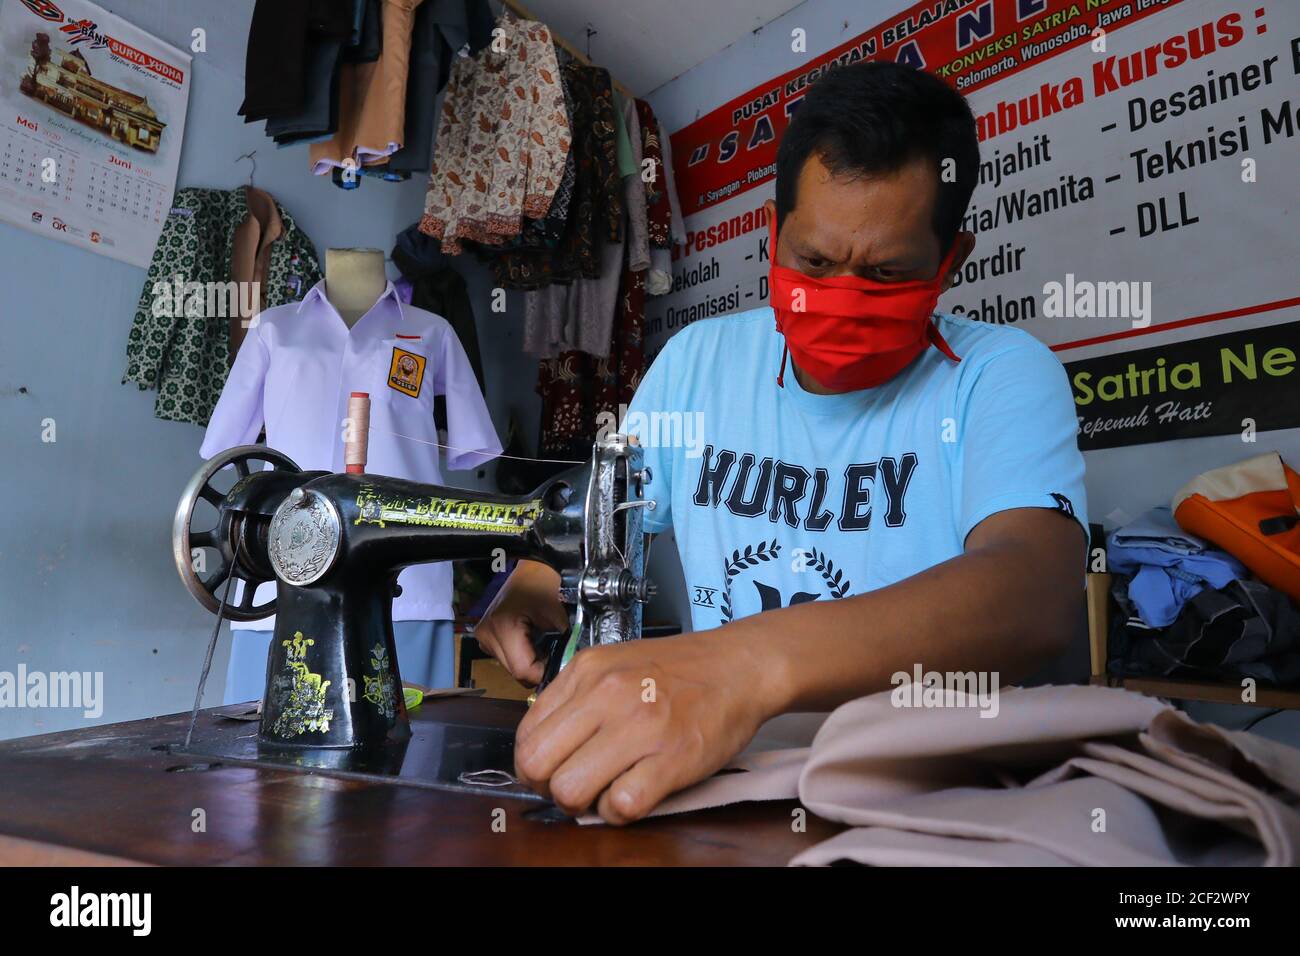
909,491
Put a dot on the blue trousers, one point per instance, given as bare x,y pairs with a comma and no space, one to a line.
426,655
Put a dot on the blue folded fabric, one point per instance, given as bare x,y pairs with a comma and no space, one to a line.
1169,567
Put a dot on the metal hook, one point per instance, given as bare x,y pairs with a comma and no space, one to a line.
249,156
590,33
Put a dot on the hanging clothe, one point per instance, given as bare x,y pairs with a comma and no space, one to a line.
577,315
619,373
372,98
581,315
579,390
677,224
503,136
250,260
328,30
591,331
175,346
597,187
659,211
438,288
441,29
545,233
634,196
274,59
367,40
659,278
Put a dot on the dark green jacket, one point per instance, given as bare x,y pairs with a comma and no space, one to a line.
185,356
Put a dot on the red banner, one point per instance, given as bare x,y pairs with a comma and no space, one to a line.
970,43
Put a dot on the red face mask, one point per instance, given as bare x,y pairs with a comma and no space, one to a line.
850,333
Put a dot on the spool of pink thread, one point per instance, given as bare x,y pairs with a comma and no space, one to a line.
356,447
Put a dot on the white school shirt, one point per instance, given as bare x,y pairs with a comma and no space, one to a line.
294,373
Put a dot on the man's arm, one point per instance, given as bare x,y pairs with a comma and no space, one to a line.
626,725
1009,604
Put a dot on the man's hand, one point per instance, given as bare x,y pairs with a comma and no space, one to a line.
528,601
625,725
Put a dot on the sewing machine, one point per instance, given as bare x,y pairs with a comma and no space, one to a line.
334,544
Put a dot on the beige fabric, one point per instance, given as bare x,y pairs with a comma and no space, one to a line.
1261,473
250,259
768,769
1030,786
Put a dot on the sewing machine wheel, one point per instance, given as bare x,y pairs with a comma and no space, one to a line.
205,585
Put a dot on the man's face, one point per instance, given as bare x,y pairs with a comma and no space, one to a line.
875,227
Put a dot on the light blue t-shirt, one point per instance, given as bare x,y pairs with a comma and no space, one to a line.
779,496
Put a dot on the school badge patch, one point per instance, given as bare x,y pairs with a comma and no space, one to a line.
406,373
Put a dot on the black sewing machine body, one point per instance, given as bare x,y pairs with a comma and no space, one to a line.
334,543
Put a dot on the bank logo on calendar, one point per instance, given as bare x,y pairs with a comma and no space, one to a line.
91,114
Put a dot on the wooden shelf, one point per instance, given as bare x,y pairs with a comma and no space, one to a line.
1208,691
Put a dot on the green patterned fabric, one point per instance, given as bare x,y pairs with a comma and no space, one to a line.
184,356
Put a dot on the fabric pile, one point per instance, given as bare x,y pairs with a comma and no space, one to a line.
1166,566
564,188
223,256
1191,610
356,79
1053,776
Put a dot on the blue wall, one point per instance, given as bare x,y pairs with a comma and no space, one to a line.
86,579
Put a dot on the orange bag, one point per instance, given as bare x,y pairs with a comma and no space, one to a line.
1252,511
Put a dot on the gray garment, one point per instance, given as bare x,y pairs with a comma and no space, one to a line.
638,229
677,228
580,315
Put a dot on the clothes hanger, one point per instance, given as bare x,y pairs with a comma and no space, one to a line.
252,168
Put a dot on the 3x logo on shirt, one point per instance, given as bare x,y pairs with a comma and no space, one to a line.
406,371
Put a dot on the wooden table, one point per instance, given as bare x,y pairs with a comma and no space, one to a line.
114,794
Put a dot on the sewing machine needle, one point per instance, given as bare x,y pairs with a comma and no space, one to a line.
207,661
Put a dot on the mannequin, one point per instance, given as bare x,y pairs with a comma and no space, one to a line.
354,281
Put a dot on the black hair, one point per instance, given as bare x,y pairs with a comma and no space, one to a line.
875,117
